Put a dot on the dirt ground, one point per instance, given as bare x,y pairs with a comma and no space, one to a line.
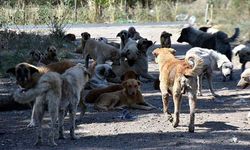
220,123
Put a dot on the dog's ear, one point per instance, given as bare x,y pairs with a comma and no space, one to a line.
119,34
124,84
139,83
12,71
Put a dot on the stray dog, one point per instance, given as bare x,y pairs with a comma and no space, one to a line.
100,52
105,40
165,39
129,96
212,61
27,75
243,50
85,37
130,51
244,79
92,96
124,35
140,65
176,78
98,80
69,37
60,92
218,41
134,35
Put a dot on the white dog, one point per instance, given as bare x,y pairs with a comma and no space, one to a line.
212,61
99,79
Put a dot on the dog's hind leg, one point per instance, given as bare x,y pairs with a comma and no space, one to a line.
61,123
199,81
209,78
72,117
177,102
192,104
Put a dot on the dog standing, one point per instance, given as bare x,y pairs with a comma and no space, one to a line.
212,61
165,39
176,78
129,96
218,41
60,92
124,35
134,35
99,79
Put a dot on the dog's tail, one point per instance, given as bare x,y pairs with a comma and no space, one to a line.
49,82
234,36
196,63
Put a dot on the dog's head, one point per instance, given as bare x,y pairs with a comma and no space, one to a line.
23,73
131,30
124,35
102,39
52,51
227,68
184,37
130,51
35,55
69,37
244,55
129,75
104,71
85,36
244,79
131,86
163,53
143,45
115,57
165,39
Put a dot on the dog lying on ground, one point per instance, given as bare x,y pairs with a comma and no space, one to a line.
244,79
134,35
176,78
243,50
99,51
129,96
59,92
218,41
93,94
140,65
212,61
99,79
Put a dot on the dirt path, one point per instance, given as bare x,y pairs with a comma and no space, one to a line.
220,123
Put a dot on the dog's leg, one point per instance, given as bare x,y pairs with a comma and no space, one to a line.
177,102
83,108
72,117
209,78
192,105
87,57
38,115
32,120
165,106
61,123
199,81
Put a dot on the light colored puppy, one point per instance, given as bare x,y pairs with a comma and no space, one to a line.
60,92
129,96
100,52
99,79
244,79
212,61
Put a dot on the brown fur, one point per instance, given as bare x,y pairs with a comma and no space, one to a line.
176,78
129,96
27,75
85,37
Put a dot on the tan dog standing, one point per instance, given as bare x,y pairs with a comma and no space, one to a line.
129,96
176,78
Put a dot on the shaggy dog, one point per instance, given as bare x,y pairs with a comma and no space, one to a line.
218,41
244,79
165,39
243,50
124,35
129,96
212,61
59,92
92,95
27,75
99,51
98,80
176,78
134,35
140,65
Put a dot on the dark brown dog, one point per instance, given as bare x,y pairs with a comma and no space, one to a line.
95,93
69,37
27,75
165,39
134,35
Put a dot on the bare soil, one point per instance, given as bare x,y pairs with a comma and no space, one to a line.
220,123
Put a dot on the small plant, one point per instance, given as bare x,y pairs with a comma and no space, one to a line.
57,26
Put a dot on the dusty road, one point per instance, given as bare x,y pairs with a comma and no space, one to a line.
220,123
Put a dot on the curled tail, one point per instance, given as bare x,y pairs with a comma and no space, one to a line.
234,36
196,63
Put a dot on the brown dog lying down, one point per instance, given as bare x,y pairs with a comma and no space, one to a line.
176,78
92,96
129,96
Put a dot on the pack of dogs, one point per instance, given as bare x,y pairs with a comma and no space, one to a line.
60,86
